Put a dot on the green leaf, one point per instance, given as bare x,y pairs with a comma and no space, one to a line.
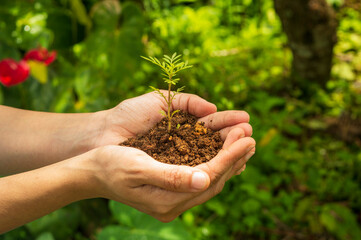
174,112
54,223
80,12
163,113
62,24
138,225
155,89
217,206
106,14
121,233
180,89
46,236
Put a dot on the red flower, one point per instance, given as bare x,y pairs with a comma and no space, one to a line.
41,55
13,72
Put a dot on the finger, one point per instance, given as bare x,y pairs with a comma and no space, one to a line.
193,104
186,201
241,170
247,128
233,136
243,161
220,120
226,158
174,177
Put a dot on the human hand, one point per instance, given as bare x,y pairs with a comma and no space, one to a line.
161,190
137,115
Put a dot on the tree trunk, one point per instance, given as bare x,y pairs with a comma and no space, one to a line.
310,26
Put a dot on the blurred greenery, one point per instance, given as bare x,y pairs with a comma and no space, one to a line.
304,181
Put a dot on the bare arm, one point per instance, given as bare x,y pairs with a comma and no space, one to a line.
32,139
33,194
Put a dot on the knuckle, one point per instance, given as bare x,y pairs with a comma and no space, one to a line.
216,176
219,187
173,179
247,129
135,167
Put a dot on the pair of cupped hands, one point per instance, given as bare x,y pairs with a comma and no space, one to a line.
164,191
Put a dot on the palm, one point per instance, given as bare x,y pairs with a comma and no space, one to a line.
137,115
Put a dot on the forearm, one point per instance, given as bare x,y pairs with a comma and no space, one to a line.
34,139
27,196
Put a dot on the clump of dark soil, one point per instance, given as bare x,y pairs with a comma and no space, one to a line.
189,142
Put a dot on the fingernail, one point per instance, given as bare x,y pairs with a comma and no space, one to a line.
249,155
199,181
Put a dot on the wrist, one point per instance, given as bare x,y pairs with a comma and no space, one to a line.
84,172
94,129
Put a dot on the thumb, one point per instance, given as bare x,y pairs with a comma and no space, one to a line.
176,178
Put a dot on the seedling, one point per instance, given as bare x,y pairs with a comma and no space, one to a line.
170,67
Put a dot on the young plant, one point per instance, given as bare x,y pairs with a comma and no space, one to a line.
170,67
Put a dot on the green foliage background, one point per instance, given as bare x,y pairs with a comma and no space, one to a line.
303,183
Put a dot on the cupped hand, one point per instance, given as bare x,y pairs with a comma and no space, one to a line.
164,191
137,115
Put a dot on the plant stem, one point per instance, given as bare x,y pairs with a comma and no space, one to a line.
169,105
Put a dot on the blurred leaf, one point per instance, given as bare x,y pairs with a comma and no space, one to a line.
264,102
302,208
344,71
61,223
251,206
268,137
31,30
39,71
105,15
315,124
66,32
128,45
188,218
62,101
340,221
336,3
46,236
120,233
80,12
292,128
20,233
217,206
140,224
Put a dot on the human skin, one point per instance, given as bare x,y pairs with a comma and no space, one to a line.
57,159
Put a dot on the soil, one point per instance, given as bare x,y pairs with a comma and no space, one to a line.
188,143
